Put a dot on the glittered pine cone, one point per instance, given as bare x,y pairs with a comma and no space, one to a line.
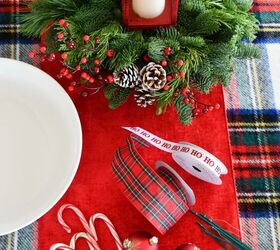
152,77
143,97
127,77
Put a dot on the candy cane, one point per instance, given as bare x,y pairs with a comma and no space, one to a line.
73,241
109,225
90,230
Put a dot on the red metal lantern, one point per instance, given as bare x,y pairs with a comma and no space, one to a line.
139,14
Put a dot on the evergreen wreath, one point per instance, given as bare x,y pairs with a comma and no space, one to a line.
157,65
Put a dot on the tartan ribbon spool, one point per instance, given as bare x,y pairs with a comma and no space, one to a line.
159,202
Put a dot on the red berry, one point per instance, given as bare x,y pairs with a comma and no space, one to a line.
196,110
31,54
195,114
180,63
210,108
64,56
69,76
185,91
166,87
83,60
217,106
163,63
86,38
111,53
61,22
182,74
51,57
188,246
186,100
96,70
59,76
70,45
175,75
192,101
78,67
84,75
110,79
146,58
91,80
205,110
88,77
73,83
60,35
64,71
176,94
43,49
84,94
66,24
97,40
71,88
42,59
167,51
96,61
169,78
100,78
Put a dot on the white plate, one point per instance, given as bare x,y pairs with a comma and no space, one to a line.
40,143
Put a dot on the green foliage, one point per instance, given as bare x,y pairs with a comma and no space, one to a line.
184,110
208,37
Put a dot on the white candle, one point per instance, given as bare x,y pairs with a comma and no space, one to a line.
148,8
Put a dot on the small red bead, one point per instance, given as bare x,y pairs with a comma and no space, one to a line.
86,38
166,87
71,88
73,83
111,53
60,35
167,51
51,57
205,110
217,106
43,49
210,108
69,76
96,69
192,101
70,45
182,74
83,60
186,100
180,63
163,63
88,77
176,94
169,78
195,114
91,80
84,75
97,40
96,61
42,59
64,71
196,110
31,54
78,67
59,76
84,94
64,56
61,22
146,58
66,24
185,91
110,79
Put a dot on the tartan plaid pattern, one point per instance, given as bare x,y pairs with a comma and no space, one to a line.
253,106
145,189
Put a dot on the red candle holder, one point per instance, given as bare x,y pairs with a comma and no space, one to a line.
133,21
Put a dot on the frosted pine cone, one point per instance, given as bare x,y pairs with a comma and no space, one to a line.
152,77
143,97
128,77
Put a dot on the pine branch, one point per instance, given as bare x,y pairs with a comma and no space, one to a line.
184,110
116,95
245,50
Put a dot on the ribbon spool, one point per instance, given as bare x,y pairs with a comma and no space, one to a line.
192,158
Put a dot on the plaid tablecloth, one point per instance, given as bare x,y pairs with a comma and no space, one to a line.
253,108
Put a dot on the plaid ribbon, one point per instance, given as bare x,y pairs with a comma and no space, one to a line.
160,203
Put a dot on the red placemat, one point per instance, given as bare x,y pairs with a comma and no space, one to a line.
94,190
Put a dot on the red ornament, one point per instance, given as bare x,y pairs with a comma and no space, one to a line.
182,74
110,79
61,22
167,51
86,38
146,58
169,78
110,53
163,63
97,61
64,56
188,246
43,49
180,63
83,60
60,35
31,54
70,45
141,241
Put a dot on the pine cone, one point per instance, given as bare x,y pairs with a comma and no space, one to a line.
128,77
143,97
152,77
